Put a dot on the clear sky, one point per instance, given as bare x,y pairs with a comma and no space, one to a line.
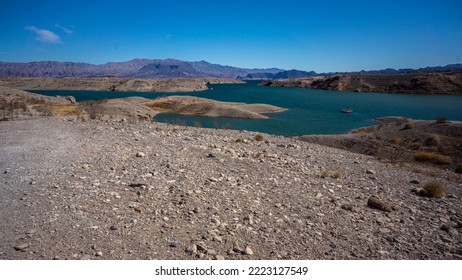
306,35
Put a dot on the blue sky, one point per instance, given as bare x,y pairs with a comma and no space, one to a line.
290,34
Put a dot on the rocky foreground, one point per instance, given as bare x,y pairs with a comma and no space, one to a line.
439,82
74,189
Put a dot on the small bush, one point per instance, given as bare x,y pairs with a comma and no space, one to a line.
441,120
409,125
425,156
396,139
459,169
359,131
433,189
259,138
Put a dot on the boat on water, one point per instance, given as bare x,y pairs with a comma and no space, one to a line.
346,110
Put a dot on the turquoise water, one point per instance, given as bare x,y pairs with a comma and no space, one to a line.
310,111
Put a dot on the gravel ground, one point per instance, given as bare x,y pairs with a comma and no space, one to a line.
118,190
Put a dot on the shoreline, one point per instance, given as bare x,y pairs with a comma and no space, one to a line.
115,84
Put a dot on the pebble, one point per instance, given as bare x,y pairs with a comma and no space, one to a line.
140,154
113,227
191,249
21,246
347,207
211,252
99,254
370,171
219,258
248,251
175,244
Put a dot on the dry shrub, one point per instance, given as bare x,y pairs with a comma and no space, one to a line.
359,131
396,139
259,138
409,125
433,189
425,156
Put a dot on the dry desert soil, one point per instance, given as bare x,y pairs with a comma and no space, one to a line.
92,189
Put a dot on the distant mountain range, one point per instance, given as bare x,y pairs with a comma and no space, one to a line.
170,68
138,68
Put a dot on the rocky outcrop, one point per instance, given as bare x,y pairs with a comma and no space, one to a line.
206,107
447,82
399,139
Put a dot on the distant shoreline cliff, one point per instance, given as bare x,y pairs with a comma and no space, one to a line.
422,82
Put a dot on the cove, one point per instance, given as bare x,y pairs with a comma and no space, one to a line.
309,111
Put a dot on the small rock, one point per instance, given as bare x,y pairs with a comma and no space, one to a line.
219,258
99,254
376,203
211,155
21,247
446,239
211,252
370,171
416,182
31,231
201,247
347,207
86,166
166,219
384,230
216,221
445,228
138,185
140,154
248,251
191,249
237,248
113,227
175,244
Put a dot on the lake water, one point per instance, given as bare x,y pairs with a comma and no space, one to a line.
309,111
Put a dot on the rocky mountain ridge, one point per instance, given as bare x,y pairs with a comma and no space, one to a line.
139,68
173,68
